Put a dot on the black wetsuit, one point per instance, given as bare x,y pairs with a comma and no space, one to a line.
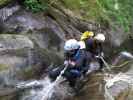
81,58
95,48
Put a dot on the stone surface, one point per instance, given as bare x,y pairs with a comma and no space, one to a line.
4,2
36,41
14,54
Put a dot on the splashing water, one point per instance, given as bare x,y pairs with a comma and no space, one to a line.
35,94
127,54
47,90
45,93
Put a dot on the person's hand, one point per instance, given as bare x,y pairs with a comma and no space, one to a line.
66,62
102,54
97,56
72,63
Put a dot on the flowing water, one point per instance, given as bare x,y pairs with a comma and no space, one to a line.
38,94
45,89
45,92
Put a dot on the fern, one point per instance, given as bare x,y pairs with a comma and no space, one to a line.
35,5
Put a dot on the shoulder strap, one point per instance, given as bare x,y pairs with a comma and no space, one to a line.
77,56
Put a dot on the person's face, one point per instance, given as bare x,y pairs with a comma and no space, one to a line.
71,53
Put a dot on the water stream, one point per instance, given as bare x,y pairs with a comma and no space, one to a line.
45,89
38,94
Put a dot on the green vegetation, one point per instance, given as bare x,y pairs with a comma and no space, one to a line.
114,12
3,67
35,5
118,11
4,2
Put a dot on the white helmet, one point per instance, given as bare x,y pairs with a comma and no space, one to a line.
71,44
100,37
82,44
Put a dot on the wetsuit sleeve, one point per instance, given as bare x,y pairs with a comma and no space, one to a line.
83,61
99,49
80,62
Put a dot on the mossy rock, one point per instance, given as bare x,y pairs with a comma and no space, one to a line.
3,67
50,56
28,73
4,2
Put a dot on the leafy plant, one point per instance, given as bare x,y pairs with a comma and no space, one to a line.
35,5
116,12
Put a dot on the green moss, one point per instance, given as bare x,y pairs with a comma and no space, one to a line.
3,67
27,73
35,5
6,97
50,56
20,52
4,2
118,13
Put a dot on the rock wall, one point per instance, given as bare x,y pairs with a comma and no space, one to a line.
30,42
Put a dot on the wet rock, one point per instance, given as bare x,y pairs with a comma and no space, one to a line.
45,32
92,89
12,42
67,16
14,55
5,2
41,33
119,91
62,92
22,59
42,44
119,87
117,37
44,28
6,12
48,39
14,48
24,21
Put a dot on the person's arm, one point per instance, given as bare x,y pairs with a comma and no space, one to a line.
80,63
